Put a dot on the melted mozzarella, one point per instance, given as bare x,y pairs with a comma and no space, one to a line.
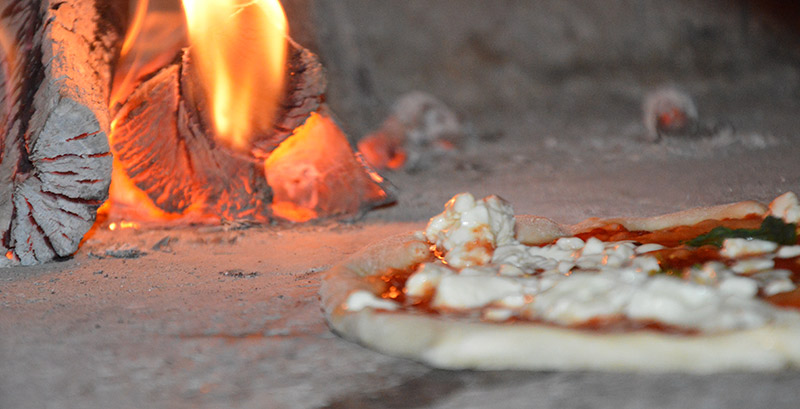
774,281
460,291
786,207
677,302
573,281
788,252
361,299
580,298
426,278
736,247
469,230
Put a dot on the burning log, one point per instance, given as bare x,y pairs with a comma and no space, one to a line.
58,136
166,138
165,144
55,164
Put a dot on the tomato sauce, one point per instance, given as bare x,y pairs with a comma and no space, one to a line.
672,237
394,283
790,299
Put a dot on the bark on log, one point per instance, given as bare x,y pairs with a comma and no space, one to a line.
55,165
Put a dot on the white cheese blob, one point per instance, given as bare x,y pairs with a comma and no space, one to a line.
501,220
361,299
752,265
736,247
581,297
646,264
570,243
708,274
775,281
594,246
677,302
788,251
425,279
498,314
517,255
738,286
460,292
646,248
468,231
786,207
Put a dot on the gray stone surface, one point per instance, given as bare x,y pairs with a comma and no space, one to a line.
227,318
230,318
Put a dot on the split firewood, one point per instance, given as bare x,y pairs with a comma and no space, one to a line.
164,140
419,131
55,164
671,112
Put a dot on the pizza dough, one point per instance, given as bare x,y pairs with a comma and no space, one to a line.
456,342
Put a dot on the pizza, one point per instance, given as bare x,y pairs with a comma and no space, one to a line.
704,290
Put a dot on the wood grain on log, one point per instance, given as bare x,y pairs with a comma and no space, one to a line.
55,166
307,85
305,93
166,152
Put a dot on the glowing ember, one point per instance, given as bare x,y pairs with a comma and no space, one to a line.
314,173
383,151
239,49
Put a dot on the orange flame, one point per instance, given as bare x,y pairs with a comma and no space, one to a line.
136,26
9,50
123,83
153,39
239,50
8,69
124,224
314,173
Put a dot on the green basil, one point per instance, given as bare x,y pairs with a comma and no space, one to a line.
772,229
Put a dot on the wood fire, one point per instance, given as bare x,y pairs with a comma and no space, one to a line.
234,130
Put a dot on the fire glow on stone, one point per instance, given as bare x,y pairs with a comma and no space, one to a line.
239,49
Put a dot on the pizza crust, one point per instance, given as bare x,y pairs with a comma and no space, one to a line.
683,218
452,344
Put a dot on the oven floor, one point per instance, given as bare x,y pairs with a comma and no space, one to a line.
219,317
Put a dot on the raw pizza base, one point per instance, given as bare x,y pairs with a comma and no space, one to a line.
456,344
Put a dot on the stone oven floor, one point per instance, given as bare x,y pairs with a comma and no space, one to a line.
224,317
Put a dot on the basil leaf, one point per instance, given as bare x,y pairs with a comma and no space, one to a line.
772,229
